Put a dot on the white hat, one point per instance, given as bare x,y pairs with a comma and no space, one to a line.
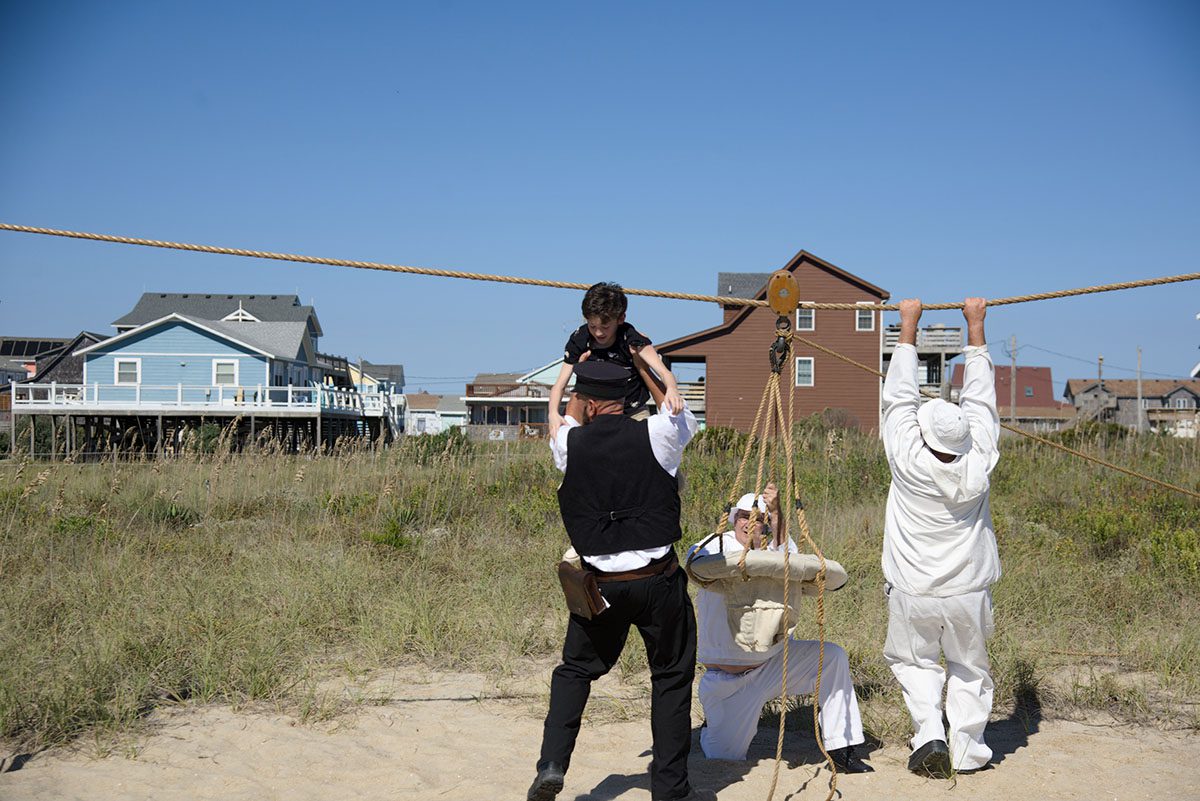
745,504
944,427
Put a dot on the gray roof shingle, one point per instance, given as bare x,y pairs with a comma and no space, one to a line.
741,285
218,305
281,340
384,372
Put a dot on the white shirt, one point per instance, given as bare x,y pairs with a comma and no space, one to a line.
669,435
714,640
937,536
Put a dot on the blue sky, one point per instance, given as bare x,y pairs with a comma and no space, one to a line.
935,149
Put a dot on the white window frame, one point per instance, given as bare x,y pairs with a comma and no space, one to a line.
236,372
117,362
857,312
813,312
812,371
1029,392
1146,403
1181,402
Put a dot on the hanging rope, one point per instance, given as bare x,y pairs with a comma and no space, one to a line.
511,279
776,427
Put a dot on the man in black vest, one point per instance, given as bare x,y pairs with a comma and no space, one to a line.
620,504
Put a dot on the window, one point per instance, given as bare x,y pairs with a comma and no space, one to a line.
804,371
127,372
420,425
1029,392
225,372
1146,403
1181,402
864,319
806,319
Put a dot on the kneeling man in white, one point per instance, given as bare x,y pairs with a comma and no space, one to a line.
737,683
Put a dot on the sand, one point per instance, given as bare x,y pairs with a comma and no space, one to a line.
436,735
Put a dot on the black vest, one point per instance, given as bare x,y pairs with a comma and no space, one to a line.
615,495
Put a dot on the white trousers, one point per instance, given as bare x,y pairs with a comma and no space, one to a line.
733,702
920,629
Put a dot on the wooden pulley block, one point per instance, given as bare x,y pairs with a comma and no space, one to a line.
783,292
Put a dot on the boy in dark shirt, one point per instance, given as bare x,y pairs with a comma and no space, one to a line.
607,337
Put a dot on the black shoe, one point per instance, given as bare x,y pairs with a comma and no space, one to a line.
931,759
549,783
849,762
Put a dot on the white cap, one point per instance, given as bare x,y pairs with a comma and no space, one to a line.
745,504
944,427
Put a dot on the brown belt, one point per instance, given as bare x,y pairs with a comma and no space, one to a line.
666,566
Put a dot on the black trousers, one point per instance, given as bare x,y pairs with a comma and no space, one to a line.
660,608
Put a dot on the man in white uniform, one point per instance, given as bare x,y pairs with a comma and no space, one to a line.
736,683
939,550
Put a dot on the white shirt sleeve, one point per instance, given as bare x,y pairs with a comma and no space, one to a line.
978,403
669,435
558,445
901,398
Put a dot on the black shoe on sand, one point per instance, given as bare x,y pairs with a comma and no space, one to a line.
548,784
849,762
931,759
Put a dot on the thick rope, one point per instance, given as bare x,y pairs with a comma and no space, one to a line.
1015,429
791,497
510,279
723,520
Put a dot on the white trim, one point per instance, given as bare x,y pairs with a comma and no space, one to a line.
236,372
240,315
523,379
813,312
860,311
117,382
812,371
180,318
178,354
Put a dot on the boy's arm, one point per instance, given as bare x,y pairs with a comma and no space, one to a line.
658,389
556,395
670,388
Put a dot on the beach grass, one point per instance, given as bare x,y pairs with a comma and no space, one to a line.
246,578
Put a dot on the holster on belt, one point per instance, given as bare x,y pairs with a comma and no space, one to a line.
581,590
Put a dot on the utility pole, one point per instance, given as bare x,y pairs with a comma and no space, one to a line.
1012,380
1139,391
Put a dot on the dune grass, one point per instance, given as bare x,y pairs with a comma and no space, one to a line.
131,584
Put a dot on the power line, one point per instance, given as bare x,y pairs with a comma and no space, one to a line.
1089,361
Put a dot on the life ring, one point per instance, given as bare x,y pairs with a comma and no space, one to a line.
753,591
802,569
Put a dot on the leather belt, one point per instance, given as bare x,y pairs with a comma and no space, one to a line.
666,566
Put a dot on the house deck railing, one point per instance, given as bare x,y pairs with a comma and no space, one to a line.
932,338
69,398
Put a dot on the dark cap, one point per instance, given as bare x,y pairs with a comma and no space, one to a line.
602,380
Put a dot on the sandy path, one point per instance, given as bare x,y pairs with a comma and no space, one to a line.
448,736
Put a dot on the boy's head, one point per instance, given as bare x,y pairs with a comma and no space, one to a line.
604,307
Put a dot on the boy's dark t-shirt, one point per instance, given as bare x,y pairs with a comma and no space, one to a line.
619,352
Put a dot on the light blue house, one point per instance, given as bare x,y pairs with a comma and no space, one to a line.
182,361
